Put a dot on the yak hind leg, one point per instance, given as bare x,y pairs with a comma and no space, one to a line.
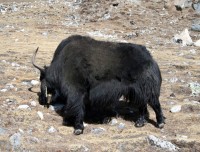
109,113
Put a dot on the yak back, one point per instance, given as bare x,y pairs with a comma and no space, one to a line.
85,61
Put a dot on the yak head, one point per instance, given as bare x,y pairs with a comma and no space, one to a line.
43,97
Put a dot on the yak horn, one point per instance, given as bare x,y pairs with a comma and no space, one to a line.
33,61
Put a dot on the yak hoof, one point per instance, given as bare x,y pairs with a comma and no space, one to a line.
78,131
161,125
140,122
106,120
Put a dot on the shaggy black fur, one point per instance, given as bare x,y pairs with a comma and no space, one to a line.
89,74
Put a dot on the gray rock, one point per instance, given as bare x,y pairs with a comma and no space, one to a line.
195,87
11,101
2,131
14,8
77,147
98,130
196,25
175,109
15,140
3,9
196,6
34,140
183,38
161,143
137,2
181,4
9,86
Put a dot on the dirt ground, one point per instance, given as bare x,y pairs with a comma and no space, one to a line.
28,24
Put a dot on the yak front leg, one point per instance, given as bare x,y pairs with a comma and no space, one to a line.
142,115
43,94
74,111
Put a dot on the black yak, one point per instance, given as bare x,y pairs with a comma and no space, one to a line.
88,73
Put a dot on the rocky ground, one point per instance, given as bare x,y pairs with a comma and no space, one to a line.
27,24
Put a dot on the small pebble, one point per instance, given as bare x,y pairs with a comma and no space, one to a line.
85,124
4,90
34,140
24,107
113,122
56,107
173,80
15,140
15,64
21,131
121,126
52,129
40,114
34,82
175,109
98,130
2,131
33,103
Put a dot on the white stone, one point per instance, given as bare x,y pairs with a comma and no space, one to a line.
197,43
113,122
21,131
195,87
121,126
34,82
161,143
24,107
175,109
52,129
183,38
15,64
40,114
85,124
9,86
193,51
4,90
33,103
56,107
173,80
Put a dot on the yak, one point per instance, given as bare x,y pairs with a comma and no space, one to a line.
85,72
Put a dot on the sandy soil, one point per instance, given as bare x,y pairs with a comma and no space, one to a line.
26,25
